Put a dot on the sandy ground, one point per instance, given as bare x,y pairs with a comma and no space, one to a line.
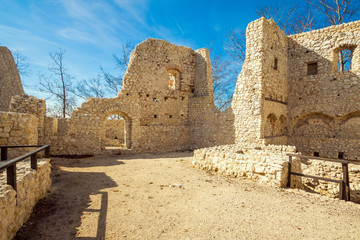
128,197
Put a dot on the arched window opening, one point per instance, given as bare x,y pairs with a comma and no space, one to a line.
174,79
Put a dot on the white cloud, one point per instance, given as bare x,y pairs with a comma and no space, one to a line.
135,8
76,35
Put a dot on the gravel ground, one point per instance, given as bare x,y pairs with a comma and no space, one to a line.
161,196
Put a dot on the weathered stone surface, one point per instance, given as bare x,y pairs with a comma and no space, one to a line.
10,83
280,99
18,129
16,207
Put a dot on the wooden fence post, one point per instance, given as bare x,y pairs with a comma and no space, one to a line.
11,175
4,153
34,161
346,192
289,172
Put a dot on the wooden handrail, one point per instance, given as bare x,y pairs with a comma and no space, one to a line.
10,165
352,161
344,184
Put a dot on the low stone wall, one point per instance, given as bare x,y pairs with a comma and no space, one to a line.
269,165
266,164
333,171
16,207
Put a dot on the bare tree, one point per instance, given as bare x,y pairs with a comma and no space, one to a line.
235,46
21,63
335,11
223,80
105,83
114,83
90,88
58,84
291,18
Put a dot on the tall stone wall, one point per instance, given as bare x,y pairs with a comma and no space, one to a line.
248,96
259,102
324,104
166,102
290,91
209,126
10,83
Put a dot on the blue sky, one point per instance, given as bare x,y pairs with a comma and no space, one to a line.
91,31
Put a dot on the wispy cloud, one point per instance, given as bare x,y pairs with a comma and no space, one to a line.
78,9
135,8
77,35
177,24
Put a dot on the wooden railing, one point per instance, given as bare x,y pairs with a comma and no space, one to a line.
344,183
10,165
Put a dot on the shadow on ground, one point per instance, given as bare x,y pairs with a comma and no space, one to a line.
64,207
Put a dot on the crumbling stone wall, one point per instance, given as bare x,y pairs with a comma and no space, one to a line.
291,92
16,206
10,83
209,126
166,102
324,104
259,102
31,105
114,132
265,164
18,129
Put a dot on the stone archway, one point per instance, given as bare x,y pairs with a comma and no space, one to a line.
112,124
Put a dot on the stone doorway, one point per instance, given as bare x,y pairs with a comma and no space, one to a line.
116,131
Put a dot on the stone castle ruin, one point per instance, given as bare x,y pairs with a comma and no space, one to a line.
9,78
290,96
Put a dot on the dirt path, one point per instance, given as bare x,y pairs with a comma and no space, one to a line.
117,197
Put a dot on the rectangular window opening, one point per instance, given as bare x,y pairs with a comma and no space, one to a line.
344,63
312,68
316,154
276,64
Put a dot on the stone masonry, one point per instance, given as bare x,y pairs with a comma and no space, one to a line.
291,96
290,92
17,205
10,83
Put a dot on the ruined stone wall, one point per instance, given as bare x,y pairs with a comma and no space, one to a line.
72,137
209,126
248,99
275,87
266,164
259,102
291,92
324,104
166,102
10,83
16,206
153,101
114,132
18,129
31,105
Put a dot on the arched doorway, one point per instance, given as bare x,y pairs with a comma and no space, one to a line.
116,130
